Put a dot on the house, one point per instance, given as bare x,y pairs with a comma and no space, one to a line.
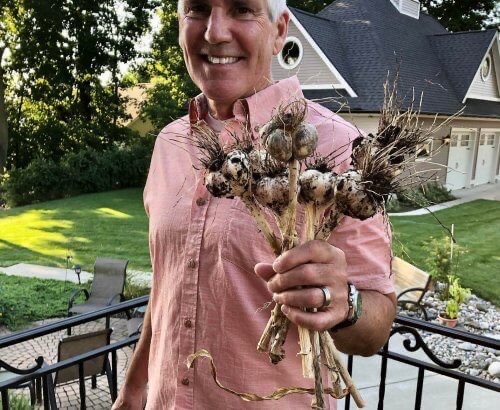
134,96
343,54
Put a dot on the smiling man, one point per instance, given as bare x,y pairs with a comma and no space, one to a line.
212,269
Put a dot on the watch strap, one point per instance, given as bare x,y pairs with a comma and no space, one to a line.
352,314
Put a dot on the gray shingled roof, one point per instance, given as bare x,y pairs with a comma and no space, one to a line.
366,39
453,47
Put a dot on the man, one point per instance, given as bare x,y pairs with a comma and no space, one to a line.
204,250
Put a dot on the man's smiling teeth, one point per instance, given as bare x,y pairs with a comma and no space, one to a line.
222,60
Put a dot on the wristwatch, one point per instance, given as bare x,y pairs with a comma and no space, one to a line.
355,308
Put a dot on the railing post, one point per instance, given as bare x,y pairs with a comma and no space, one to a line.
114,374
420,387
460,394
5,399
81,378
383,376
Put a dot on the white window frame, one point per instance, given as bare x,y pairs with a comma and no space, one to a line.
282,62
488,60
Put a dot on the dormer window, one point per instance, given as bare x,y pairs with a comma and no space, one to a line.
486,68
408,7
291,54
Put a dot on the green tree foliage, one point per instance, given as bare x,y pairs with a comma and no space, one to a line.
463,15
173,87
56,100
312,6
9,16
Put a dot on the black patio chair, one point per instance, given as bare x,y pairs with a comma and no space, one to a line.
8,372
72,346
107,288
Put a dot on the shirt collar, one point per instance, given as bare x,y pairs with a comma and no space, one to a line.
256,109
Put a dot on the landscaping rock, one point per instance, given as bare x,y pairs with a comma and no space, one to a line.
467,346
482,307
478,317
494,369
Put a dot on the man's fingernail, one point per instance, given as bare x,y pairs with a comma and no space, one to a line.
275,297
285,309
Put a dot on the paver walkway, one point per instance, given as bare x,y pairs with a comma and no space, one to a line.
23,355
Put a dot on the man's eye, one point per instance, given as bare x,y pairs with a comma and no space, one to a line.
244,10
195,10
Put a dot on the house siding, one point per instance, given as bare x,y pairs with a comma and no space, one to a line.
488,88
436,169
311,71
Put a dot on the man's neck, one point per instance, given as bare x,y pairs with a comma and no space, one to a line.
220,111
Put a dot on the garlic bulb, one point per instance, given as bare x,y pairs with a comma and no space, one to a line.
305,141
351,197
273,193
278,144
233,178
317,188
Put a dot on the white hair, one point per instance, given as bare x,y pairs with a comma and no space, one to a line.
275,7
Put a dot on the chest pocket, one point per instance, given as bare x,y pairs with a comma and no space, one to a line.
244,245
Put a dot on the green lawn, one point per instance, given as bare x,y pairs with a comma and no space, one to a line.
477,228
24,300
111,224
114,224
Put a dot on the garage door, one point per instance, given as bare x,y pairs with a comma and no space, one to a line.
459,160
486,158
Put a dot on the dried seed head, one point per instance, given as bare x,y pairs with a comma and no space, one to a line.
272,192
305,141
278,143
233,178
317,188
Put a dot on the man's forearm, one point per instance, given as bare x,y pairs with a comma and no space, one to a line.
371,331
133,391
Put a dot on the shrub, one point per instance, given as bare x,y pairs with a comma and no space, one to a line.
440,264
86,171
427,194
456,296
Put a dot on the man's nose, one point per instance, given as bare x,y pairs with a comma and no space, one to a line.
218,28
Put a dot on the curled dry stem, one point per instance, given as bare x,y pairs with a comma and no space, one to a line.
332,354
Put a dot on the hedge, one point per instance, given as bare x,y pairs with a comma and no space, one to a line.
86,171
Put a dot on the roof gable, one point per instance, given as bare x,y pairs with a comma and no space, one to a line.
375,39
461,55
317,70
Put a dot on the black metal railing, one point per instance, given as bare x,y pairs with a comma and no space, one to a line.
411,327
402,325
41,372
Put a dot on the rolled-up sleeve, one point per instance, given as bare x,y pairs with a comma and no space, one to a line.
367,246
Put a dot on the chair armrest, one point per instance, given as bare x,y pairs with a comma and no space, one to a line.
112,299
404,292
9,368
74,295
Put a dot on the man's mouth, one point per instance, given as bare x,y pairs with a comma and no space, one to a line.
222,60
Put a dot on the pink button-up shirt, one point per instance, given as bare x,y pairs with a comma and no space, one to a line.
205,294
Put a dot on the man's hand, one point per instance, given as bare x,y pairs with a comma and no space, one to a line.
296,278
131,399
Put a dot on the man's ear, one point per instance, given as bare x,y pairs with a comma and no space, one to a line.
282,31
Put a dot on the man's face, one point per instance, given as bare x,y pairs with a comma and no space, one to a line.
228,46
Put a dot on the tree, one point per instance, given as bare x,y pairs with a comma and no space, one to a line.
9,23
168,99
55,69
463,15
312,6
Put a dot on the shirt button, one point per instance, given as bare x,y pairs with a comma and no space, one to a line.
200,202
188,323
185,381
191,263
